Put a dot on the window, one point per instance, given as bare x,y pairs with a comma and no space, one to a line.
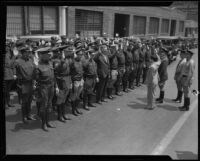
154,25
139,25
43,20
181,26
88,23
165,26
14,21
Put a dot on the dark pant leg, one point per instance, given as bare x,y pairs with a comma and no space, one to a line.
8,85
144,73
139,72
126,77
101,88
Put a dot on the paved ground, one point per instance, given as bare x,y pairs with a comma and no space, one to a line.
121,126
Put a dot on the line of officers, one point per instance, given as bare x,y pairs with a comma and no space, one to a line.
54,73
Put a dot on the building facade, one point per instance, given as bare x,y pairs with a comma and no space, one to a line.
88,21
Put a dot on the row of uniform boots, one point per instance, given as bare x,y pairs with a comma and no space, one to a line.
178,99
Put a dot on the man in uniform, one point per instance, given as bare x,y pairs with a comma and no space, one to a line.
90,79
162,71
63,79
25,73
76,71
103,71
177,76
132,76
44,75
141,63
121,69
128,65
113,70
187,76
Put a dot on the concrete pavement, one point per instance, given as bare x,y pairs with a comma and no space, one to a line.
121,126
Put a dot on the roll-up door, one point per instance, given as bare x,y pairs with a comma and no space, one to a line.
14,21
88,23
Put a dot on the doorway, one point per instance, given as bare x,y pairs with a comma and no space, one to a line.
121,25
173,28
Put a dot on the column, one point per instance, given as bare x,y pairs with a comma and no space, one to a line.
131,25
159,27
62,20
108,23
147,25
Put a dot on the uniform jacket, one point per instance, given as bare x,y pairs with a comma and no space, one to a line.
9,68
188,70
121,59
76,70
128,58
90,69
136,56
177,75
103,66
162,70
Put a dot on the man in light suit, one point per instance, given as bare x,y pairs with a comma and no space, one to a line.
152,81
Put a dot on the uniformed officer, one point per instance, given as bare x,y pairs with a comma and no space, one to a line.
187,76
9,74
44,75
152,81
113,70
90,79
162,71
147,62
63,79
25,73
76,71
141,63
128,65
121,69
135,53
177,76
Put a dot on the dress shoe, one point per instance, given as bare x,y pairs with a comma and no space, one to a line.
10,105
61,119
74,113
91,105
30,118
50,126
66,118
119,94
103,100
24,120
79,112
110,97
44,127
86,108
98,102
183,108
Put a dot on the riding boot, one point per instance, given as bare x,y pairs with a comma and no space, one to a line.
183,108
43,119
60,118
76,105
24,119
38,108
180,97
73,108
63,112
47,120
187,103
162,94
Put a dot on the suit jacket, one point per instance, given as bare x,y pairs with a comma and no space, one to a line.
9,68
103,66
162,70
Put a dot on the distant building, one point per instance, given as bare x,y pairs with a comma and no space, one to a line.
88,21
191,10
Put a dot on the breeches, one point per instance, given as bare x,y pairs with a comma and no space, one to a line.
77,88
46,94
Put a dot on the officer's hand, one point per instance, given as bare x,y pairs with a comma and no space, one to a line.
97,79
34,87
57,90
15,77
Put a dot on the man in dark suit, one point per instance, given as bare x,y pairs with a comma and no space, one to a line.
9,74
103,71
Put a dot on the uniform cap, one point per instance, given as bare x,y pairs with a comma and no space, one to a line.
190,52
24,48
44,50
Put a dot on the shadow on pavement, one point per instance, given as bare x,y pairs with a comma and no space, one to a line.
14,118
29,126
186,155
137,106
